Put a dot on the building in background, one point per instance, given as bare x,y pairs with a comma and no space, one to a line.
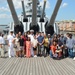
66,26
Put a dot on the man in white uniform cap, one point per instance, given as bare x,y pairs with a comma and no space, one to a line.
10,44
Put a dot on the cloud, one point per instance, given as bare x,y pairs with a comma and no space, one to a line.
64,4
17,3
4,16
4,9
47,4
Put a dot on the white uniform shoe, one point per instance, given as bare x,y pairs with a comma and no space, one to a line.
9,56
35,55
74,58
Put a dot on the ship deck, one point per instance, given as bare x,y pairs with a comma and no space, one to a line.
37,66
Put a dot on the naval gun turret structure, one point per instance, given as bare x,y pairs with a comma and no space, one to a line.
49,28
34,25
34,17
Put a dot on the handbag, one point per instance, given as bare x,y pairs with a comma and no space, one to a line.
15,46
55,55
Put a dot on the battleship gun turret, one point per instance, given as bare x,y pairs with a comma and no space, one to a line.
33,17
49,28
24,14
34,24
43,12
18,26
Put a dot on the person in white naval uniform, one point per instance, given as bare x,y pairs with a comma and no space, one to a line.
10,38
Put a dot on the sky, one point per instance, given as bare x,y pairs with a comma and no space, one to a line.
66,10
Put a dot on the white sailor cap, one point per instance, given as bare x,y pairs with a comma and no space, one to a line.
11,31
31,30
48,34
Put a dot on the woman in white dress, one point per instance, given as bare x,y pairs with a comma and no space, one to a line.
16,45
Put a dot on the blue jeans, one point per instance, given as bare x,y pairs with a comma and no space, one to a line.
70,52
51,55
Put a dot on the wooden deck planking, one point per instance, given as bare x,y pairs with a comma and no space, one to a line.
30,66
36,66
33,67
71,70
14,69
19,69
6,67
22,68
39,67
65,70
51,66
44,68
26,66
1,61
71,61
56,66
10,67
47,69
61,70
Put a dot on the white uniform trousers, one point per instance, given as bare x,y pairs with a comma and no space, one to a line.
11,50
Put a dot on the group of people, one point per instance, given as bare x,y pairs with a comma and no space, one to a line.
25,45
40,44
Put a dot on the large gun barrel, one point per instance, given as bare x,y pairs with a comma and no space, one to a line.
49,29
34,12
18,25
34,25
24,14
53,17
42,15
13,12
